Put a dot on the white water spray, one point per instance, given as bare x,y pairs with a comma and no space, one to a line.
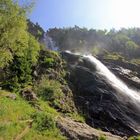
113,80
116,83
127,106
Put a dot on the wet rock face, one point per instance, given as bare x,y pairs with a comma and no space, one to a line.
129,73
98,100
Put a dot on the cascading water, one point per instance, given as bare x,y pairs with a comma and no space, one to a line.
116,83
113,80
111,103
49,43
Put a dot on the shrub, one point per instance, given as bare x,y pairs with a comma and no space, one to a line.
50,62
57,95
50,90
43,121
50,59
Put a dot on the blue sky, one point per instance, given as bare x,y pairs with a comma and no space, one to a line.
97,14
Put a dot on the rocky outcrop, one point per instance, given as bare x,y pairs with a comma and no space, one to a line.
127,72
81,131
96,98
28,94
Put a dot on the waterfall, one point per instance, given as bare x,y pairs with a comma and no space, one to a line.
120,86
116,83
49,43
120,103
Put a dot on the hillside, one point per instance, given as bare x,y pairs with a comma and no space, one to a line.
56,95
121,44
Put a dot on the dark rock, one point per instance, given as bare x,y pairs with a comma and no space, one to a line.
96,98
28,94
81,131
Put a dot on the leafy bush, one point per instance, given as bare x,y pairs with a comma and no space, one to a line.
50,62
50,90
19,50
43,121
50,59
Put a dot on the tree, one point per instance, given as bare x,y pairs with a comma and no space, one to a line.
18,49
13,35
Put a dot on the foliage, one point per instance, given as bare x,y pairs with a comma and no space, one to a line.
13,116
77,117
19,74
113,56
13,35
125,42
35,30
49,62
18,49
51,91
134,138
43,121
50,59
17,115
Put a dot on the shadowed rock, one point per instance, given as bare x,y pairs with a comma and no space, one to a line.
96,98
81,131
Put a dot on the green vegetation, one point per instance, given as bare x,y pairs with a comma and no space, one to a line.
43,121
134,138
102,137
35,30
77,117
18,48
113,56
27,64
124,42
17,116
52,92
21,56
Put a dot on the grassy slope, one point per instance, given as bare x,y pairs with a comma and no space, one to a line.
16,121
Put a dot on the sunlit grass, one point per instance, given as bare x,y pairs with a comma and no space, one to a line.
16,116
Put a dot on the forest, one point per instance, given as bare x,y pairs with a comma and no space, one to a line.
123,43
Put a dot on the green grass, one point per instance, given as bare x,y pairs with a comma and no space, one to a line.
17,115
77,117
51,92
13,113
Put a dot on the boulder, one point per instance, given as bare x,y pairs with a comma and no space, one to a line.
81,131
28,94
11,96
